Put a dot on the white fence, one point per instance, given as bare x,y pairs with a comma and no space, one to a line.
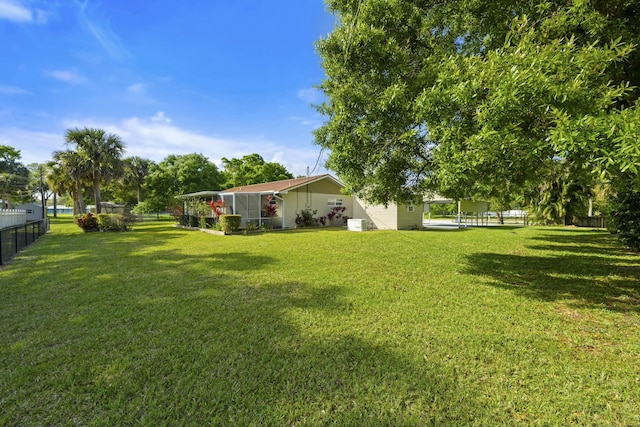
12,217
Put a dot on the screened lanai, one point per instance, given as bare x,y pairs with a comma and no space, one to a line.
252,207
276,204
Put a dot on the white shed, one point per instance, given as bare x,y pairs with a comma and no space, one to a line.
34,211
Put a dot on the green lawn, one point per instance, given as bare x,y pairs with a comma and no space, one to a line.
162,326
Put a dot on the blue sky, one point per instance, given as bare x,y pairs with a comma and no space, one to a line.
224,78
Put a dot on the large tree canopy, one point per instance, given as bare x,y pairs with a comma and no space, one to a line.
14,176
252,169
480,98
180,174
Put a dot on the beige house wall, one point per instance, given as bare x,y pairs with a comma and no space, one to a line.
377,216
409,220
392,217
316,197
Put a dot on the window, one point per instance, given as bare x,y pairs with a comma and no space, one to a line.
29,211
410,208
335,202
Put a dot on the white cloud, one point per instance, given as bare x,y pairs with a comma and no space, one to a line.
159,117
34,146
67,76
157,137
16,12
136,88
311,95
138,94
12,90
312,122
100,29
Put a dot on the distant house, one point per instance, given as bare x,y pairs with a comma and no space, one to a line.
60,209
34,211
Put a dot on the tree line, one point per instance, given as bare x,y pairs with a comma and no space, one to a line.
92,169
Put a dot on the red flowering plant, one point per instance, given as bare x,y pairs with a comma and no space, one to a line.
175,211
217,207
87,221
336,214
269,209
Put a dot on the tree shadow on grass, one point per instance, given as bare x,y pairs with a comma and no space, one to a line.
589,243
216,351
254,355
589,270
169,338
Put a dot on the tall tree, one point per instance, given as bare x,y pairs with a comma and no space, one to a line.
55,181
478,99
252,169
14,176
136,170
70,174
38,183
180,174
102,151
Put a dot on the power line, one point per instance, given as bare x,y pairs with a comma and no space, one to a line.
353,25
317,160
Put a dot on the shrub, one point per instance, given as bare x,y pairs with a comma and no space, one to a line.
625,218
115,222
230,222
336,215
104,222
250,226
87,221
184,220
306,218
175,211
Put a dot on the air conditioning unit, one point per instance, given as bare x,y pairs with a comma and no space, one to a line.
357,224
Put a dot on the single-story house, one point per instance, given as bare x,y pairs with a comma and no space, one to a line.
322,194
60,209
289,197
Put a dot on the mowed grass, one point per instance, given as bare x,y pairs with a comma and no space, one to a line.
163,326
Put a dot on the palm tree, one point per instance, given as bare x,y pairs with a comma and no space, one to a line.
136,170
102,151
69,175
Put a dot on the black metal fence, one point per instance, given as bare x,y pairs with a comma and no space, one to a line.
591,221
16,238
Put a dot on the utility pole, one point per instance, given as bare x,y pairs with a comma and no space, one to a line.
44,209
